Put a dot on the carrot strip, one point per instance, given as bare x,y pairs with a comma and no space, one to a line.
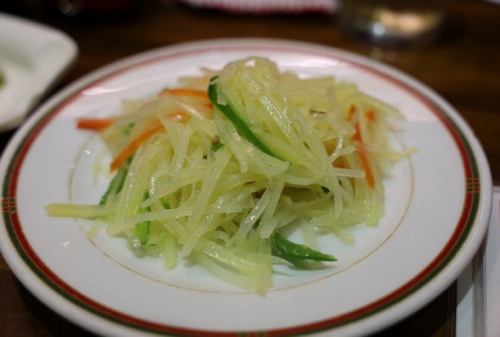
362,155
96,124
185,92
357,134
140,139
363,159
371,115
134,145
351,112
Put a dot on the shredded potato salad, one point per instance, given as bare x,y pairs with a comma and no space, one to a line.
217,169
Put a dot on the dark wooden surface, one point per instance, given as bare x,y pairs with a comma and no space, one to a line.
463,66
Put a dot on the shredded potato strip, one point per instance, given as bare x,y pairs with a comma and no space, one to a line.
215,170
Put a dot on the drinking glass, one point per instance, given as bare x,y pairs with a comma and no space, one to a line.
393,23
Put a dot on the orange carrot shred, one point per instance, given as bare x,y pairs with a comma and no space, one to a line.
363,159
362,155
370,115
185,92
140,139
94,123
357,134
351,112
134,145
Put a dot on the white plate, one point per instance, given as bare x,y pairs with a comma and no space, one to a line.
436,213
32,57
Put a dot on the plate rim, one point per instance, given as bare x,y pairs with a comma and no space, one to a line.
405,305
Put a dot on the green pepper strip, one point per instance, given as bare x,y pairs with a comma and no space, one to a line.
141,229
240,125
164,202
116,184
127,129
294,252
216,147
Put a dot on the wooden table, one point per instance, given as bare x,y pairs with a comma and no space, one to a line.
463,66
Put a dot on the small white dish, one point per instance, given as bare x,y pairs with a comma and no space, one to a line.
436,213
32,57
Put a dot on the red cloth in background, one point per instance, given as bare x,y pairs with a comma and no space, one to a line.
267,6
